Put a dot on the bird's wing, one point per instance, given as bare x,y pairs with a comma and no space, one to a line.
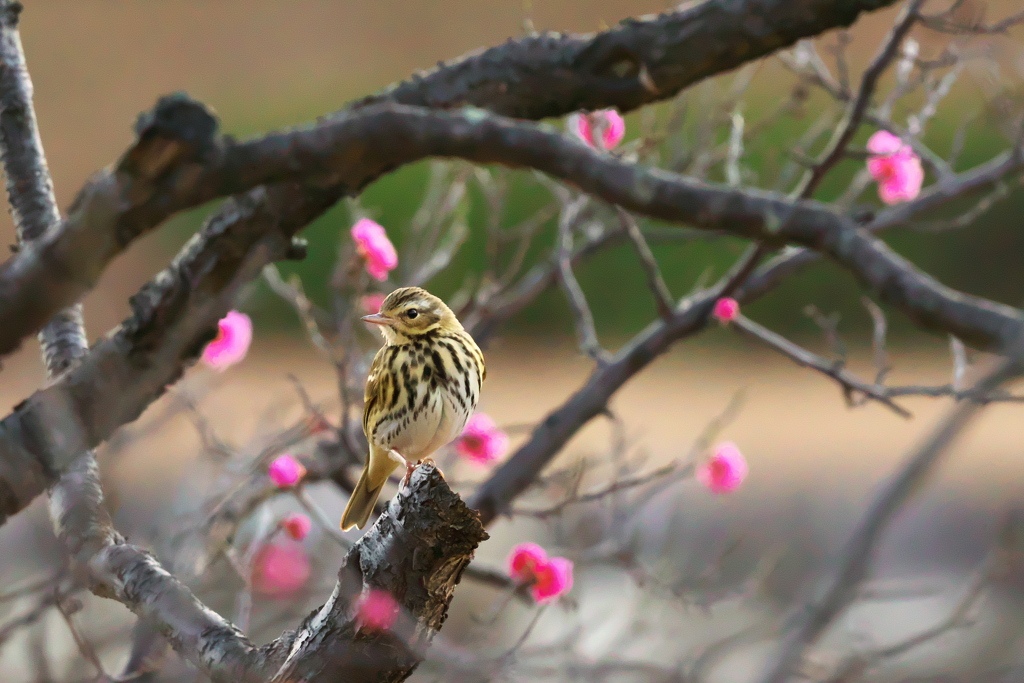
378,386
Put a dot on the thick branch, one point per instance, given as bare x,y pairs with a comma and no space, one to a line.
356,149
417,558
151,349
495,496
175,315
417,552
672,50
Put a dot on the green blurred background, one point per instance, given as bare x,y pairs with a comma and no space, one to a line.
265,65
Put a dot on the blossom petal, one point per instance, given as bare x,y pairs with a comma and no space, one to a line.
373,245
884,142
280,569
234,336
724,471
285,471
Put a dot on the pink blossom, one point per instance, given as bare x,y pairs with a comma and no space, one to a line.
234,334
554,578
286,471
373,245
725,470
524,560
377,610
726,310
371,303
280,569
481,440
895,167
547,578
296,525
610,121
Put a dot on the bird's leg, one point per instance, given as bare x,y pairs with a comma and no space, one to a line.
400,460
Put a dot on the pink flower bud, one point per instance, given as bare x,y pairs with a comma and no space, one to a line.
610,121
377,611
895,167
547,578
726,310
725,470
285,471
234,334
481,440
554,578
296,525
373,245
524,560
280,569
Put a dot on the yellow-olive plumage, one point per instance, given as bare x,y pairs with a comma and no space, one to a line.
423,385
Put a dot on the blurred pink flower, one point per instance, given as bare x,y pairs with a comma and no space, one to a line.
370,303
377,610
285,471
726,310
524,560
234,334
725,470
554,578
296,525
547,577
280,569
610,121
481,440
373,245
895,167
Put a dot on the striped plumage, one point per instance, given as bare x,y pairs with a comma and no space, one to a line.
423,385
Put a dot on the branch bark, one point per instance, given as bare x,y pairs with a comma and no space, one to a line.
358,148
672,50
495,496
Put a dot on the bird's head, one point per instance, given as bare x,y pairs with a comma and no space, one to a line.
411,312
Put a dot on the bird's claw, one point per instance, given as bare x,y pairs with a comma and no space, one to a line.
411,467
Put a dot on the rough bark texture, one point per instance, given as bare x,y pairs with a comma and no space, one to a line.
553,74
417,552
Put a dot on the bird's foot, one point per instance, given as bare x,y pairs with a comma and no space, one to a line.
430,461
410,468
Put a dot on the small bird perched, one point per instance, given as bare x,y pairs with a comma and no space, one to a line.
423,386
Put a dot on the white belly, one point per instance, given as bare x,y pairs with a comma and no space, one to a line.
435,422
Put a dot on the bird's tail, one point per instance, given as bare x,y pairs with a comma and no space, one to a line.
364,495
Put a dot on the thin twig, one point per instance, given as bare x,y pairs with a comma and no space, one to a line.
655,282
583,318
844,585
801,356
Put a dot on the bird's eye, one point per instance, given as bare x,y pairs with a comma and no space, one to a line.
411,314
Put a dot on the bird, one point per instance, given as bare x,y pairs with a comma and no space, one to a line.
423,385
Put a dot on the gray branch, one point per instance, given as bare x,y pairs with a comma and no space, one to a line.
810,622
613,68
358,148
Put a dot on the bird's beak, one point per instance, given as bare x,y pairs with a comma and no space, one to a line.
378,319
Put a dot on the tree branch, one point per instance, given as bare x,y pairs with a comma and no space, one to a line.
359,147
672,50
151,349
810,623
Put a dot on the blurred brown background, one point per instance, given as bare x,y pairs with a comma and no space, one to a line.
264,65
